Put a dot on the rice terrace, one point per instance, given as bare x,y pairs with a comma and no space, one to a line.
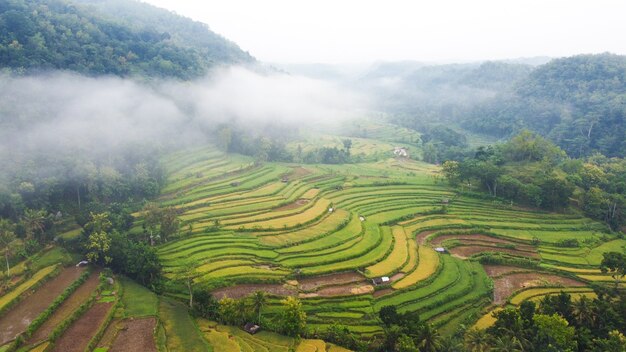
401,180
323,234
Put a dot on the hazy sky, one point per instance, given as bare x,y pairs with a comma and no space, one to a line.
341,31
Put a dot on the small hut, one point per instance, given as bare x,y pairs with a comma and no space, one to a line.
401,151
441,250
251,328
383,280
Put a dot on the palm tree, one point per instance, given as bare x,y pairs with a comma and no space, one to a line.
7,236
243,312
583,314
477,340
259,298
34,222
451,345
430,339
506,344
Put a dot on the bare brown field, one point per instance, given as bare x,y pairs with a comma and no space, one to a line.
77,337
19,317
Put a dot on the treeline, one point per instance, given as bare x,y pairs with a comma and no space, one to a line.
109,243
108,239
38,35
268,143
557,323
578,102
441,143
44,195
530,170
288,319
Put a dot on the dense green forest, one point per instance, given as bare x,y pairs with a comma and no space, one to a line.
124,38
531,170
577,102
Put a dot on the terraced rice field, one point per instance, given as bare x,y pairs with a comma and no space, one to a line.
288,225
321,233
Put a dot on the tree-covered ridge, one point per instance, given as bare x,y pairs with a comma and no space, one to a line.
119,37
578,102
530,170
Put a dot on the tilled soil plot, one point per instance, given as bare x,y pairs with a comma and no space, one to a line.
295,205
19,317
499,270
314,283
137,335
505,285
77,337
421,237
240,291
397,277
74,301
345,290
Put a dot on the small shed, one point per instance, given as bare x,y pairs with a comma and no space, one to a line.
330,210
441,250
445,201
380,280
82,263
284,179
362,218
251,328
401,151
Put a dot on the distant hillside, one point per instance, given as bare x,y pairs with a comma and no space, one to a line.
417,95
120,37
578,102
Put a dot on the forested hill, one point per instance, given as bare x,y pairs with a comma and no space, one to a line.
119,37
578,102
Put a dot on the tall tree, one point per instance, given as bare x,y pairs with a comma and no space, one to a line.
259,299
293,317
477,340
186,275
347,145
7,236
615,264
34,222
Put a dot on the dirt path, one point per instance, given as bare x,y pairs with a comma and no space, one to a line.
19,317
136,335
77,298
484,238
505,285
77,337
383,292
467,251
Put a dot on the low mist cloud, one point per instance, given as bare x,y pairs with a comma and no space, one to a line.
63,111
